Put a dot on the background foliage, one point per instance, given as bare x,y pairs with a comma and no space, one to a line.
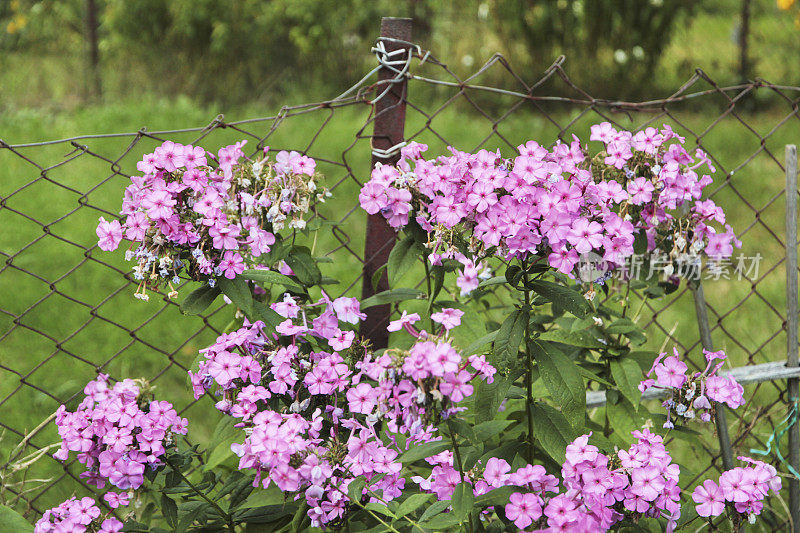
240,51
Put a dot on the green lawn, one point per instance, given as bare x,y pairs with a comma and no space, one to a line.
59,324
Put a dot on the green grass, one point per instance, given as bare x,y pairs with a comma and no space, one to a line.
60,362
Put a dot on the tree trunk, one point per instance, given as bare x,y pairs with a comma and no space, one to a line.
94,87
744,34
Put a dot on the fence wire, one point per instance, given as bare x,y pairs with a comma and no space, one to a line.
67,312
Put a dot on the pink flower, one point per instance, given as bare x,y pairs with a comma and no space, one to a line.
109,233
641,191
585,235
671,372
232,265
647,482
158,204
523,509
404,320
564,260
496,472
457,386
111,525
373,197
448,317
348,310
603,132
137,225
561,510
85,510
287,308
709,499
116,499
733,484
342,340
580,450
361,398
618,154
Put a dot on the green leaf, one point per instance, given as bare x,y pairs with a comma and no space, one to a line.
304,267
379,508
458,427
199,299
552,430
441,522
489,396
412,503
356,488
471,330
189,512
376,277
219,448
567,298
624,419
434,509
627,375
514,275
392,296
300,517
269,276
623,325
437,272
12,521
489,429
563,381
588,374
462,500
425,450
170,510
402,258
237,290
581,339
476,346
509,337
498,496
497,280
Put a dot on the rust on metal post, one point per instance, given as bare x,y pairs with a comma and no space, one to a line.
389,126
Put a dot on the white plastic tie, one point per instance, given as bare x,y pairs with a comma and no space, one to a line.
389,152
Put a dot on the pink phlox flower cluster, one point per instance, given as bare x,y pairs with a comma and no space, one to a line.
602,490
693,395
76,516
312,398
205,215
116,433
559,203
744,488
598,490
524,509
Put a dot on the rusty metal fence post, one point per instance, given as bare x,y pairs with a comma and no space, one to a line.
389,126
791,328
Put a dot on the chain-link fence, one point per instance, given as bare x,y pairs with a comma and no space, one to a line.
67,311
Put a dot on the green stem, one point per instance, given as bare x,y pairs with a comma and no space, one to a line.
529,361
457,452
430,295
215,505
